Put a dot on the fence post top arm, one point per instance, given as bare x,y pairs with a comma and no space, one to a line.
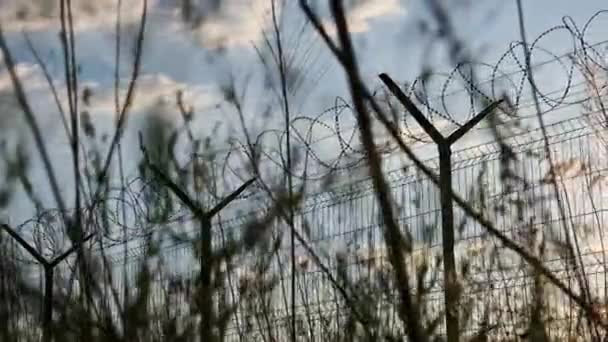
228,199
426,125
25,245
37,255
464,129
71,250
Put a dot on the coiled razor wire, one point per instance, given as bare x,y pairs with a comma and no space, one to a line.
346,154
507,76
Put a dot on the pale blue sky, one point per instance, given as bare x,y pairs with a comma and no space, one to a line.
386,35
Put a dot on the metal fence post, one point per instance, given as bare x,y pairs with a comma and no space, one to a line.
444,144
49,270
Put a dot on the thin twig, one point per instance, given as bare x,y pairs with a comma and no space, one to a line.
581,274
33,124
49,80
408,310
287,119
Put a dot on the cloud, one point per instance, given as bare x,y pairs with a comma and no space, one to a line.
361,16
241,22
38,95
237,24
44,14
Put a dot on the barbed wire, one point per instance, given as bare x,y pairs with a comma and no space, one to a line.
339,149
317,158
341,144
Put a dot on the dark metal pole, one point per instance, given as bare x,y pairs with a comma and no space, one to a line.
47,312
451,287
49,267
207,318
207,312
206,254
451,291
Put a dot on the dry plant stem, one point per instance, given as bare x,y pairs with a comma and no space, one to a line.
229,276
393,238
74,227
49,80
349,298
71,75
588,310
117,61
253,159
553,176
287,119
113,291
117,54
279,59
124,110
596,94
305,295
30,119
122,115
580,272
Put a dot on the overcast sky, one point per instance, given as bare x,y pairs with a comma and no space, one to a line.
386,33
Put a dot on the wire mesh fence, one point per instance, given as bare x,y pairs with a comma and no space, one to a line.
343,225
509,181
349,218
341,222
